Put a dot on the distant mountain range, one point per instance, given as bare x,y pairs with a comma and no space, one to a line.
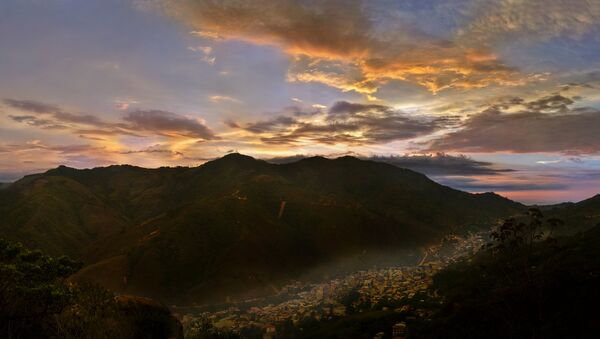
235,224
578,216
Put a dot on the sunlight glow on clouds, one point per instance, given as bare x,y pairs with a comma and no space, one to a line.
335,43
505,89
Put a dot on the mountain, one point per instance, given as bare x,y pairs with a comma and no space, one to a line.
232,225
578,216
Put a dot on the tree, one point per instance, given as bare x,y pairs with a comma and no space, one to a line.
515,235
32,290
350,300
202,328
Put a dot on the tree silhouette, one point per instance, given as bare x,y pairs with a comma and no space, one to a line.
515,235
32,290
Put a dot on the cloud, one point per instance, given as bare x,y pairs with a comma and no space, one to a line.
32,106
344,123
291,24
73,149
548,124
441,164
345,109
155,149
473,184
53,117
342,44
37,122
550,104
124,105
221,98
206,53
280,122
54,111
38,145
534,185
135,123
532,20
168,124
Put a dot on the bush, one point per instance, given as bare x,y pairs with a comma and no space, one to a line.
37,301
32,290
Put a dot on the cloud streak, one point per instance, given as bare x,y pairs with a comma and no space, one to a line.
168,124
345,123
548,124
135,123
441,164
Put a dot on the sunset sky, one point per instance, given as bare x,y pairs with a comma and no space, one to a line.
480,95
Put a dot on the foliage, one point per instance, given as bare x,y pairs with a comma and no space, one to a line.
37,301
359,325
89,316
350,300
32,290
527,284
202,328
513,234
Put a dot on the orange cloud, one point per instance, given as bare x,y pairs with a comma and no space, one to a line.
345,124
334,42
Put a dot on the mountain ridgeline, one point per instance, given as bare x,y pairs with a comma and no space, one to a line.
580,216
233,225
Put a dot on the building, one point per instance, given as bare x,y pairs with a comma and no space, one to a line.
399,330
270,332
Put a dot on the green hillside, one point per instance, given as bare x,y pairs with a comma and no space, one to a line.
220,229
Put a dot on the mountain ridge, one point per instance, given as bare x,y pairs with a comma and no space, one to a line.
189,232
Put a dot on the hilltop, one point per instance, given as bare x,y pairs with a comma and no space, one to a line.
232,225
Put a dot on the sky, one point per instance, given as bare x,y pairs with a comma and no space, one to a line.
480,95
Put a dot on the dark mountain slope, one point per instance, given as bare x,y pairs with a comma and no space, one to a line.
56,213
221,227
539,289
577,216
545,291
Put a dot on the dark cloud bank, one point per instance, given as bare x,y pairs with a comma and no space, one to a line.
347,123
158,122
550,124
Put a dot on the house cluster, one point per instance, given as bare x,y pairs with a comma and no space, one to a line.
325,300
